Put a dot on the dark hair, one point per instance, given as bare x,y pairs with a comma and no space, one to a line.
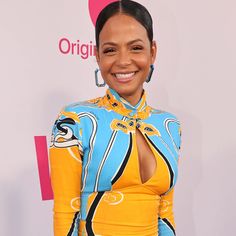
131,8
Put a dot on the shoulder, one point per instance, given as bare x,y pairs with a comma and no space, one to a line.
82,106
164,114
170,123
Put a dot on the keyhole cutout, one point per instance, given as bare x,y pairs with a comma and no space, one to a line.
147,160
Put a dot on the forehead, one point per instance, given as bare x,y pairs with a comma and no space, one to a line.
121,27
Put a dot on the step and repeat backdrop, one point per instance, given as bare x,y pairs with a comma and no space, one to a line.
47,61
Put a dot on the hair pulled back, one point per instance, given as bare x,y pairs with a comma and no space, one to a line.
128,7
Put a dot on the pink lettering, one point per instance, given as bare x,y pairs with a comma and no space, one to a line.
84,50
43,167
67,42
73,47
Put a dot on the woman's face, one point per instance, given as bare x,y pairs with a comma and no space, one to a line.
124,55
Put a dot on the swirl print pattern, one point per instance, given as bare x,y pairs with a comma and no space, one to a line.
95,171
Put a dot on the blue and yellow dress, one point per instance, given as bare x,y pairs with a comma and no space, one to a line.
95,168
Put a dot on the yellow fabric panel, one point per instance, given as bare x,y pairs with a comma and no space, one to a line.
66,170
166,207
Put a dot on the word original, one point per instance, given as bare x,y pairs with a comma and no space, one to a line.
83,50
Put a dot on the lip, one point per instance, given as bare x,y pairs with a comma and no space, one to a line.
124,80
124,72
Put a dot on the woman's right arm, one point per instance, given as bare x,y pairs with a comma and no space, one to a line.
65,154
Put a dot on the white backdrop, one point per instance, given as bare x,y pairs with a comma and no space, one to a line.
194,78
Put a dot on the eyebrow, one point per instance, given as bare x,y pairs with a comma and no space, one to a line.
130,42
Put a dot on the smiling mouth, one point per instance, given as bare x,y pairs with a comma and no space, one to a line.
124,76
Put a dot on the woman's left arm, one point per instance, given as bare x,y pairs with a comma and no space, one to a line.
166,223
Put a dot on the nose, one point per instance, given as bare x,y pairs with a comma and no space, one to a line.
123,58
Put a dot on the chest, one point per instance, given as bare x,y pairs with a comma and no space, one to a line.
120,152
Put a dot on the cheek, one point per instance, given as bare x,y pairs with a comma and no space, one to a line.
105,65
144,63
143,60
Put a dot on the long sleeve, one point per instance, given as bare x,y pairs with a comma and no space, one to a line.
166,223
65,154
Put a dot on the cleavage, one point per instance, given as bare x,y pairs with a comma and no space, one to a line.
146,158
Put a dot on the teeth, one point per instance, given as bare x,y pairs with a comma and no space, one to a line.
124,76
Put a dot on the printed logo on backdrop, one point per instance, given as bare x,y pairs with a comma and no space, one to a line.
66,47
78,48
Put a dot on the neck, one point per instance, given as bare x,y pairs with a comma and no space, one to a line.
134,98
133,106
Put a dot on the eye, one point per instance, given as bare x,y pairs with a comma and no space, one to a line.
137,48
109,50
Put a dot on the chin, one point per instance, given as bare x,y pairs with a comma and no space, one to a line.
126,91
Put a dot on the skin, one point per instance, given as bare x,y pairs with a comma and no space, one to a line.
124,47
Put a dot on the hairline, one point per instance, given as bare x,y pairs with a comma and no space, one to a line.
121,12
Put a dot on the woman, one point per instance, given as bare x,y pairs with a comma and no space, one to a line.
114,158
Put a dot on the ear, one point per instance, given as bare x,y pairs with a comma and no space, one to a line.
153,51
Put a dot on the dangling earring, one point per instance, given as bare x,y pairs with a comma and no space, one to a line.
150,73
96,79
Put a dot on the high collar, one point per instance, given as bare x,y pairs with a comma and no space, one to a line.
115,102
